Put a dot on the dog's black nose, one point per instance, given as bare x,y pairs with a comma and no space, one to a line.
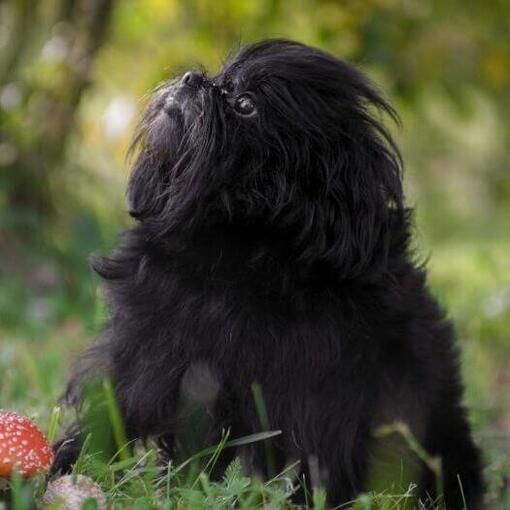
192,79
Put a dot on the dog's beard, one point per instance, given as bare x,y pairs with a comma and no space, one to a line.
165,135
174,149
164,130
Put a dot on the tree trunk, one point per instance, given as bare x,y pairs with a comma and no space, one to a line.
39,96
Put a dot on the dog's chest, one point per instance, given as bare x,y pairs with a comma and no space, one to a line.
244,330
249,318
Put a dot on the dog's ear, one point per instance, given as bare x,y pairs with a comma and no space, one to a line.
365,215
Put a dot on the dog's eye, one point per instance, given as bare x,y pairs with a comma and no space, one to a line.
244,105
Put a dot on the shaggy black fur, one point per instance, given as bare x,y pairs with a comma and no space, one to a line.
271,246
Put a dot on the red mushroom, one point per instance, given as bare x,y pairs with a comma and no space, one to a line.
23,447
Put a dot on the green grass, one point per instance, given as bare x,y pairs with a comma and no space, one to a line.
472,280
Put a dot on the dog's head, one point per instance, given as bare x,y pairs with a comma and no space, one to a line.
286,139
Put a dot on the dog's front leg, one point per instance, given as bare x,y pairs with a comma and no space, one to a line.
148,402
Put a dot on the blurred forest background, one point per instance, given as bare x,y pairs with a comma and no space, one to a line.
74,75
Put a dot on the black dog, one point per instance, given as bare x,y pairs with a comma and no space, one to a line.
272,245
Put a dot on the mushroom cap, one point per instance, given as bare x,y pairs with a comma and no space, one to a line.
72,491
23,447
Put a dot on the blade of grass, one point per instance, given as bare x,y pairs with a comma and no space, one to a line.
17,498
462,493
116,420
80,460
283,472
264,422
252,438
54,419
217,452
133,471
433,463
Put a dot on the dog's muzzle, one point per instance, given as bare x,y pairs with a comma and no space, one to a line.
185,97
